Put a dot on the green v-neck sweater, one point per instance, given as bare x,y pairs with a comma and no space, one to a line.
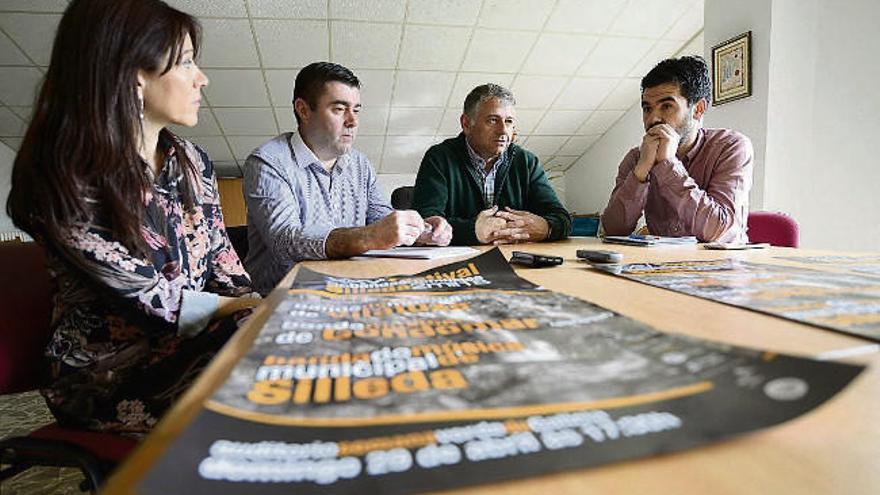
445,187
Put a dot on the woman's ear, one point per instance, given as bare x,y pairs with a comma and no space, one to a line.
141,83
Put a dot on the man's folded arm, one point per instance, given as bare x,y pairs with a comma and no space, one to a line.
628,198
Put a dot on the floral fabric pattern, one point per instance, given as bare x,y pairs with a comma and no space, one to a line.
117,361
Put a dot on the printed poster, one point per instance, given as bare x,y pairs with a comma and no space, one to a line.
846,302
859,264
467,374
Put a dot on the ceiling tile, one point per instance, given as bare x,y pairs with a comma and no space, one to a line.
374,10
559,163
433,47
210,8
661,51
584,93
246,121
34,33
697,46
228,43
281,86
389,182
227,169
242,146
56,6
236,88
561,122
558,53
450,124
12,142
285,118
289,9
422,89
290,43
10,124
544,145
526,120
497,51
10,54
456,12
582,57
648,18
365,45
370,146
467,81
536,91
577,145
215,146
688,24
18,85
615,57
515,14
24,112
584,16
403,154
624,96
600,121
414,121
207,126
376,87
372,120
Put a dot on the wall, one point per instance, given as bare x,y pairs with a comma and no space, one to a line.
724,20
824,121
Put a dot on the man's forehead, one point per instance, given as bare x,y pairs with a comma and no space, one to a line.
661,91
339,91
496,106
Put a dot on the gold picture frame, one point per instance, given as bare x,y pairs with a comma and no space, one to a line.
732,69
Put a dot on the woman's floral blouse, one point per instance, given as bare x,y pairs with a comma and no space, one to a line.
118,357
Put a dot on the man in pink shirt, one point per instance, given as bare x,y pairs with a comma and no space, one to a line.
688,181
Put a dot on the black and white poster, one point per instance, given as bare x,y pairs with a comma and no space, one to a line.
467,374
846,302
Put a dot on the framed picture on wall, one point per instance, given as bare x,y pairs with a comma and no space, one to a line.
732,69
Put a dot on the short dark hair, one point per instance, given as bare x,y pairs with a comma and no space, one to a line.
484,92
690,73
309,84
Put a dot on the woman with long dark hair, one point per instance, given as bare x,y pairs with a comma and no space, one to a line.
147,286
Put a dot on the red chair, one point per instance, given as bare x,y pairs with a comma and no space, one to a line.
25,309
778,229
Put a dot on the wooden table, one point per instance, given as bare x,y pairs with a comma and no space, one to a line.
833,449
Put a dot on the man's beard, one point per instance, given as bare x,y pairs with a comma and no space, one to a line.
686,127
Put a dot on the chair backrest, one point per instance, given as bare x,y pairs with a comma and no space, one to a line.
25,314
238,236
778,229
402,198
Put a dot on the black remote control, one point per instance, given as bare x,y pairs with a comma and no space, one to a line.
535,260
599,256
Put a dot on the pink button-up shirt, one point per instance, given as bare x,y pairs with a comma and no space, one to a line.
706,194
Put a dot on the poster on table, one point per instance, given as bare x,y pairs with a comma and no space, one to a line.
869,264
846,302
467,374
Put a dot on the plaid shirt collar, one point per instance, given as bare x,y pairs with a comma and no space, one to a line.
480,164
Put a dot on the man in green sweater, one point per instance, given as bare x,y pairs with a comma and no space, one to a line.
490,190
